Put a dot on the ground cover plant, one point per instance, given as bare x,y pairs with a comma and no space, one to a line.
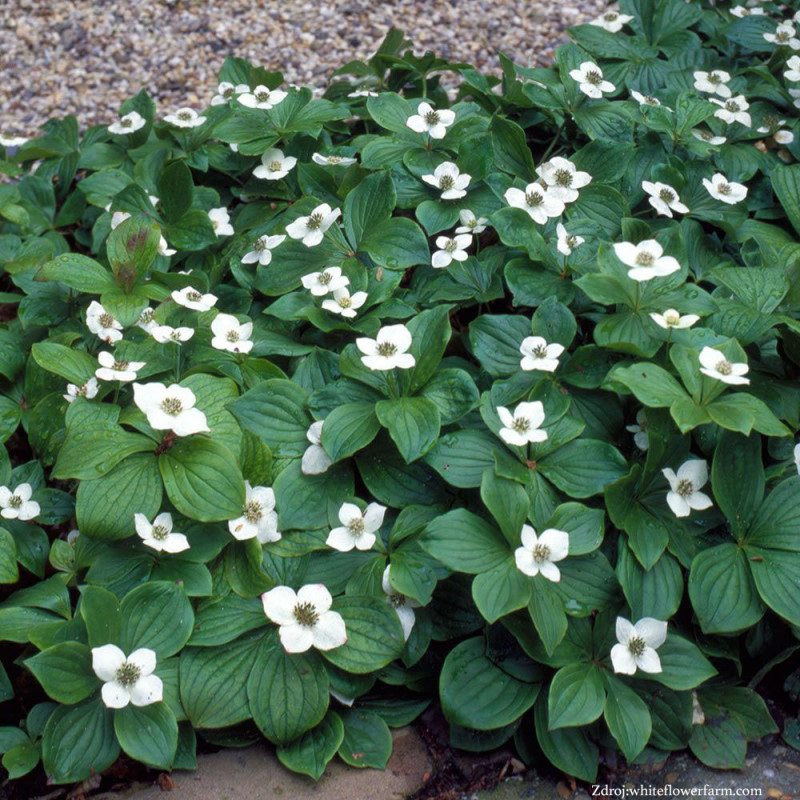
321,409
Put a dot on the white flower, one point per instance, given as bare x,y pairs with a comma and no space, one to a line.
305,618
537,354
673,319
164,249
388,349
567,242
563,178
664,198
261,97
539,553
524,425
646,259
714,82
259,519
684,494
170,408
191,298
784,36
363,93
12,141
88,390
429,120
797,457
166,333
344,303
734,109
18,504
727,192
708,137
127,680
470,223
403,606
127,124
146,320
262,250
538,201
639,430
450,180
590,79
743,11
112,370
612,21
102,324
795,93
450,250
793,71
715,365
230,334
158,535
332,161
274,165
783,137
312,228
637,645
185,118
221,221
358,529
227,91
315,460
647,100
329,280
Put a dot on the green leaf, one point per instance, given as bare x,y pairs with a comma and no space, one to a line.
627,717
777,575
655,592
100,612
576,696
132,247
311,753
390,111
367,740
78,272
396,243
776,523
737,477
683,666
719,742
511,151
554,322
547,613
508,503
651,384
9,573
500,590
349,428
157,615
430,333
368,205
496,341
148,734
20,760
569,749
306,502
65,672
786,185
175,190
412,422
465,542
583,467
463,457
584,525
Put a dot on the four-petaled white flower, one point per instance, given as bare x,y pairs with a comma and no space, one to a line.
646,259
743,11
146,320
329,280
470,223
404,606
112,369
793,71
637,645
344,303
563,178
664,198
358,529
647,100
734,109
221,221
708,137
450,250
191,298
127,680
18,504
102,324
452,182
258,520
12,141
315,460
389,349
274,165
684,488
227,91
639,430
539,553
158,534
538,354
262,250
720,188
170,408
87,390
673,319
127,124
185,118
166,333
524,425
537,200
333,160
429,120
590,80
612,21
262,97
715,365
714,82
230,334
311,229
567,242
784,36
305,618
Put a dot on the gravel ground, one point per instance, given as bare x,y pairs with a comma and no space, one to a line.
86,56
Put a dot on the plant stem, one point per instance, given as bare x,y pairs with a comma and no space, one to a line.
555,140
